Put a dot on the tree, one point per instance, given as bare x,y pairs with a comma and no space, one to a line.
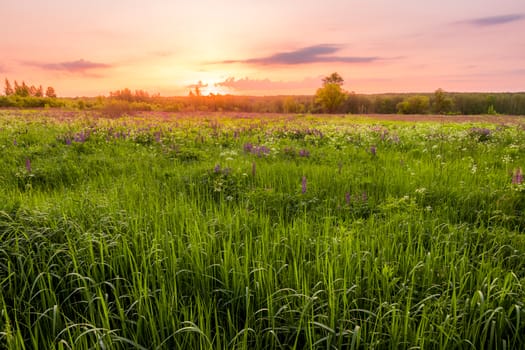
331,96
8,89
442,103
39,92
50,92
33,90
333,78
21,90
414,105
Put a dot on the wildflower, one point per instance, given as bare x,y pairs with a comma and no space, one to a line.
248,147
304,153
262,151
81,136
217,168
421,190
373,150
303,185
15,143
348,197
517,177
28,165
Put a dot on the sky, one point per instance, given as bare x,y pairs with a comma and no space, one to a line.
263,47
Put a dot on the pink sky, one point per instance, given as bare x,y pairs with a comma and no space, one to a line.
265,47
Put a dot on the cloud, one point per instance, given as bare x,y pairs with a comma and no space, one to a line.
494,20
199,85
80,66
313,54
247,84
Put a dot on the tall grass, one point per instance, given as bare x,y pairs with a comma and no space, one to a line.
162,234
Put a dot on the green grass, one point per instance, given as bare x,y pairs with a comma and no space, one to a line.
172,233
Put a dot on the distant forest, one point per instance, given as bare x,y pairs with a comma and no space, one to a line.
127,101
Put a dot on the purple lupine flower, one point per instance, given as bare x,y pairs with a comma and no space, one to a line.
303,185
67,141
254,169
304,153
80,137
348,198
217,168
261,151
248,147
157,136
373,150
28,165
517,177
15,143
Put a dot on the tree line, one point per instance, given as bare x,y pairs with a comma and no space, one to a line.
24,90
28,96
333,99
329,98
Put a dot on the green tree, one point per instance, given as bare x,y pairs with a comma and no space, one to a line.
50,92
8,89
331,96
39,91
442,103
22,90
333,78
414,105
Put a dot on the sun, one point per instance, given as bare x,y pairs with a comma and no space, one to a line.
212,88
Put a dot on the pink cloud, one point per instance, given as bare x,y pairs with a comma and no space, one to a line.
247,84
77,67
494,20
323,53
199,85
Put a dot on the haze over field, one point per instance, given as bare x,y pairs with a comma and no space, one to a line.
264,47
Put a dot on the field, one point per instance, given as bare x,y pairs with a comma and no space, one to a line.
172,231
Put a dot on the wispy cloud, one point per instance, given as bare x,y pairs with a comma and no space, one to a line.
199,85
247,84
313,54
77,67
494,20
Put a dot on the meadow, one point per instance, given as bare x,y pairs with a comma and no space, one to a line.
172,231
